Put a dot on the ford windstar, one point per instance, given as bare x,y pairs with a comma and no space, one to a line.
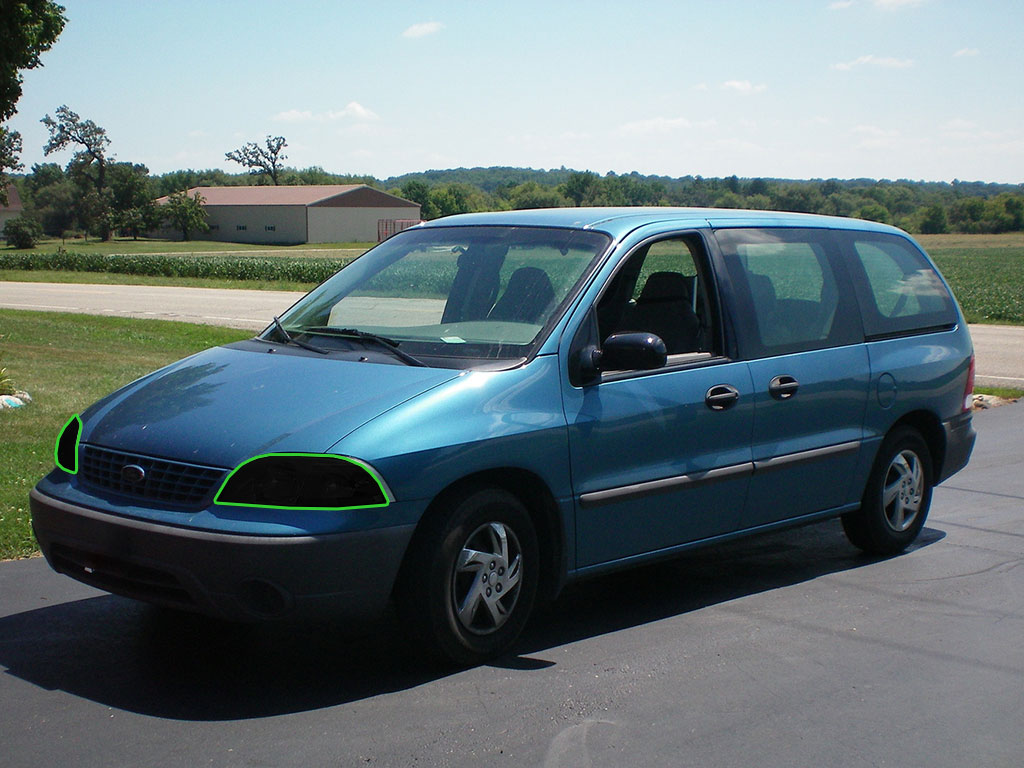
485,407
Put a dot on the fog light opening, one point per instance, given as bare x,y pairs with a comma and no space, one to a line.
264,598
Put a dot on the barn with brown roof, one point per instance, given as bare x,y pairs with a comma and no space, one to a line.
334,213
13,209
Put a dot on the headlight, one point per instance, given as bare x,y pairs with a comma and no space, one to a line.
65,452
303,481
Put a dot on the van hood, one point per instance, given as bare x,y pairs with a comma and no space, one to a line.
228,404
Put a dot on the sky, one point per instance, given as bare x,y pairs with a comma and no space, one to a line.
886,89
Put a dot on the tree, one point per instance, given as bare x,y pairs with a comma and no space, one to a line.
874,211
131,199
186,213
730,200
530,194
579,186
56,205
43,175
934,221
261,161
27,29
70,129
88,166
417,191
22,232
10,148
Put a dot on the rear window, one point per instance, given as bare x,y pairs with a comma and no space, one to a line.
898,289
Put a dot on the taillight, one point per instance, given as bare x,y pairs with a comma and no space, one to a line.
969,389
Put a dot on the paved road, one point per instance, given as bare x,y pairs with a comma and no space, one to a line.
252,310
790,650
1000,362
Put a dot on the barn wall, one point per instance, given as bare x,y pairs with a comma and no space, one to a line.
257,223
343,225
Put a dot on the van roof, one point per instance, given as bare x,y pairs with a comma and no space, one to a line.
619,221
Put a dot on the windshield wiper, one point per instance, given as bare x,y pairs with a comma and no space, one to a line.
292,340
382,341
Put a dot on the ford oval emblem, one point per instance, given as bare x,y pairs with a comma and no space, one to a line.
133,474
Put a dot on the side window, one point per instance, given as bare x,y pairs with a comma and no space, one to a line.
898,290
788,292
661,290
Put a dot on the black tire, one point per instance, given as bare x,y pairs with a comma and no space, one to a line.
470,579
896,498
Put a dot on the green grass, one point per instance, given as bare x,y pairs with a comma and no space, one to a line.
66,362
220,266
988,280
1004,392
113,278
147,245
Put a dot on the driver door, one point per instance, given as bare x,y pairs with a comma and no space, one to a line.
657,462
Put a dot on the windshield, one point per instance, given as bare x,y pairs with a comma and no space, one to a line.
451,293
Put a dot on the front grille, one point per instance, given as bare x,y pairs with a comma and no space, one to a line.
172,482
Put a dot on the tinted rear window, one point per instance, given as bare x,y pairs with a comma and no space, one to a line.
898,289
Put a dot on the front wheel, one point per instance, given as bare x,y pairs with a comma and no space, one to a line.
896,498
471,578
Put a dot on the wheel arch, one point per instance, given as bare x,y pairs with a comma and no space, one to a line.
927,424
534,494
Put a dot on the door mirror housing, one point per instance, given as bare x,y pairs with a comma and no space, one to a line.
632,352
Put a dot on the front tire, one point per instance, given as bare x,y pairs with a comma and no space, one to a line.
470,582
896,498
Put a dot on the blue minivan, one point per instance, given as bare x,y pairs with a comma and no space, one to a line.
487,406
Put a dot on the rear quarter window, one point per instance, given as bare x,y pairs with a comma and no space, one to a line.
898,289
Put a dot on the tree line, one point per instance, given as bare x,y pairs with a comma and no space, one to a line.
919,207
94,194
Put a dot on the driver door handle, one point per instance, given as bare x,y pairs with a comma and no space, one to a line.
721,397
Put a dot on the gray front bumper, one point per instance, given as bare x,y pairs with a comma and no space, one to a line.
227,575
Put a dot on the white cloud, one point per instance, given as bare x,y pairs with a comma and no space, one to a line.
966,52
743,86
294,116
895,5
968,130
654,125
353,110
423,29
884,62
874,130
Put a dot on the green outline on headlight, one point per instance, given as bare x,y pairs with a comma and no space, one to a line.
78,438
362,465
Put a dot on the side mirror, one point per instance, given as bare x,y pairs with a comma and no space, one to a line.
632,352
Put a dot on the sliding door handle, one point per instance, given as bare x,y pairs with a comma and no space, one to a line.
783,387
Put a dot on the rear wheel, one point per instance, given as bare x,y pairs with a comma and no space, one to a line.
471,579
897,496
